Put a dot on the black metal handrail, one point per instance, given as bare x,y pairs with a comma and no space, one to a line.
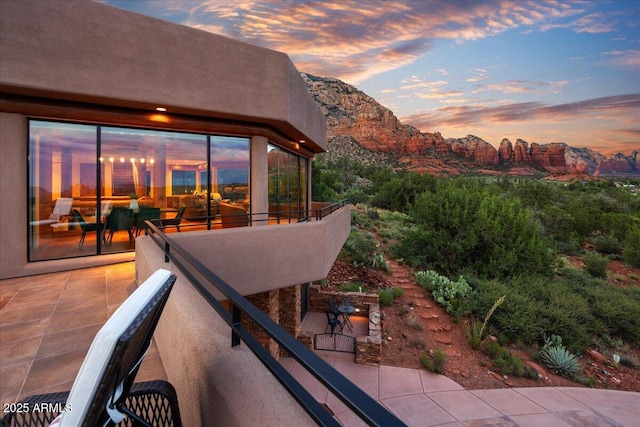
368,409
242,219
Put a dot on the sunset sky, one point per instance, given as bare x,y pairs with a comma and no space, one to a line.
542,71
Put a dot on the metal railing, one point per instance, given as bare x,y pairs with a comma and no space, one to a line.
368,409
254,218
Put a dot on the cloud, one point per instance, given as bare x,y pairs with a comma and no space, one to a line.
522,86
477,75
624,58
621,108
356,39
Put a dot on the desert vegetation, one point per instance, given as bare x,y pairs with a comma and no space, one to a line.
541,248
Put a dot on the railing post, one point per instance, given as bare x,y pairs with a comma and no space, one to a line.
166,251
236,319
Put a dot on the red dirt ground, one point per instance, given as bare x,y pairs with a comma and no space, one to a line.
432,328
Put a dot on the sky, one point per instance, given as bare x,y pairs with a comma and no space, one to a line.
542,71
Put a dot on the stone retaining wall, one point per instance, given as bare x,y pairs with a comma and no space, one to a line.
368,347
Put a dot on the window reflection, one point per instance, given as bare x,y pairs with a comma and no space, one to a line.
84,179
287,184
91,187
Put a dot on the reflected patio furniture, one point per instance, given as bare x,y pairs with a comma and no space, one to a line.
233,215
104,392
61,212
145,213
119,219
333,322
173,222
77,219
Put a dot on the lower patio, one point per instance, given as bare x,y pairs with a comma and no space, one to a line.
47,323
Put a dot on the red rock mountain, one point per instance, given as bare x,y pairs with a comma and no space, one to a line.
361,128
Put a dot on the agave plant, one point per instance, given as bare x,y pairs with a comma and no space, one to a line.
560,360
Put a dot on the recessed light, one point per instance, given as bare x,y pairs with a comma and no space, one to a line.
161,109
302,141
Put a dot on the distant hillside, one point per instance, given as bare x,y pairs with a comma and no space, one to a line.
362,129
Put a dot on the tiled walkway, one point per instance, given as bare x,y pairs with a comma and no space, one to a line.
47,323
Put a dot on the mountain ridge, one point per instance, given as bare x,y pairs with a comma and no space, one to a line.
361,128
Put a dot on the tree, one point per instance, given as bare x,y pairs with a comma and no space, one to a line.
461,226
631,250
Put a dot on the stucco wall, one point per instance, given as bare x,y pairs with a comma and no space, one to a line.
85,51
216,384
260,259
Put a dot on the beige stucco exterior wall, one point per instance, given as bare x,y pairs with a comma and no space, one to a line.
13,209
195,343
260,259
82,50
217,384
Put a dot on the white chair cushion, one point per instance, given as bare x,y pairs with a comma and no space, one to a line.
95,363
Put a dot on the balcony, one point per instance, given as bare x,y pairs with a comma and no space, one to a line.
47,323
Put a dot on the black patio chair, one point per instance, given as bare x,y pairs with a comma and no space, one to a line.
120,219
333,322
332,307
104,393
173,222
76,218
145,213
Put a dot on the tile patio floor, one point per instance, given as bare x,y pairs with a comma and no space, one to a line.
47,323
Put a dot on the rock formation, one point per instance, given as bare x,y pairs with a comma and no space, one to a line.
505,152
361,128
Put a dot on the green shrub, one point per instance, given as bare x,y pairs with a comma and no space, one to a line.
350,287
397,292
464,223
358,248
505,363
449,294
373,213
595,265
607,245
434,363
386,297
356,195
631,250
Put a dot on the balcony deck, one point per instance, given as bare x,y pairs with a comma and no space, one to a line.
47,323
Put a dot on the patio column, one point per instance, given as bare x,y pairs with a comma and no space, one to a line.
267,302
290,306
259,182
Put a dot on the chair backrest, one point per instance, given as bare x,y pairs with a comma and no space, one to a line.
110,367
146,213
181,212
106,208
332,305
76,217
121,219
62,208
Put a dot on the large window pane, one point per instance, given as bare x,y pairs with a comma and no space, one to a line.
158,169
229,176
287,184
63,172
